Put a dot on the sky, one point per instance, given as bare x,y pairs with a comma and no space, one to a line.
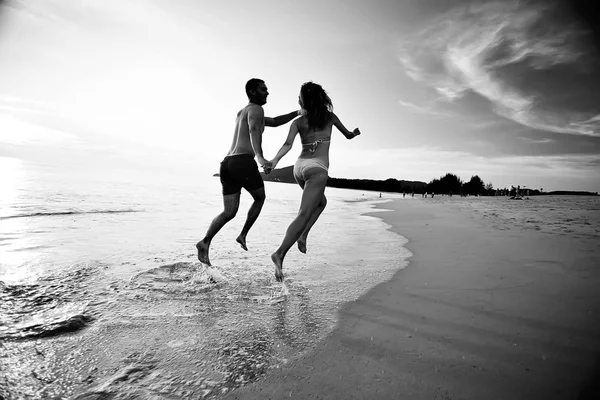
503,89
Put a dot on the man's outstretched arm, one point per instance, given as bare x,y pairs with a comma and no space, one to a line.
281,120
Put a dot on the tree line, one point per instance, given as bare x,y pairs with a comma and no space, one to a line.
449,184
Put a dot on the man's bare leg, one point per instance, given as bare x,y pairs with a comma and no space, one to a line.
313,218
259,200
231,203
203,246
311,196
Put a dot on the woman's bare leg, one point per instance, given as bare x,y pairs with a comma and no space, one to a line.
311,221
311,197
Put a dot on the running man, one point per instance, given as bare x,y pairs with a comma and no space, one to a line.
239,170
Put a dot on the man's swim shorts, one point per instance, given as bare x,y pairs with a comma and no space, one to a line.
240,171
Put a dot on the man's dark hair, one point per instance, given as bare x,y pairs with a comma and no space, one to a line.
253,84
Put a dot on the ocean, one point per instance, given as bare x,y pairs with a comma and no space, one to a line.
102,296
101,292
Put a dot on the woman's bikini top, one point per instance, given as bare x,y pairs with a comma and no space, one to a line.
313,145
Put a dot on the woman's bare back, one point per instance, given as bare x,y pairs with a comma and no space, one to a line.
315,142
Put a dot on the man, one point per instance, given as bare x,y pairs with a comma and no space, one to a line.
239,170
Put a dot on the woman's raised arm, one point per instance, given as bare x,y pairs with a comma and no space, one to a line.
338,124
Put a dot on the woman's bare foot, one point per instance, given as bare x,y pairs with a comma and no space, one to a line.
203,252
302,245
242,241
278,261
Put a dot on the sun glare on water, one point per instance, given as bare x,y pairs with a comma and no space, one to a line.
12,174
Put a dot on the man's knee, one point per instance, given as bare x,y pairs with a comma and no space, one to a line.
259,195
323,202
304,213
232,204
230,213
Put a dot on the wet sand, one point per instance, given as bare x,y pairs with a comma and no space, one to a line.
479,313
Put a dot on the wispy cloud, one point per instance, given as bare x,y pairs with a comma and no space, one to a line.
490,49
18,132
45,11
537,141
29,124
422,109
15,129
132,12
18,105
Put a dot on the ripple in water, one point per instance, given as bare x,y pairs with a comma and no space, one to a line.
53,305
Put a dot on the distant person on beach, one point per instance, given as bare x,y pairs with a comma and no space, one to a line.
239,170
311,168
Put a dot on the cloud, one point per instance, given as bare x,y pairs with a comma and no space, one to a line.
18,105
37,11
537,141
510,53
29,123
35,130
15,131
422,109
134,12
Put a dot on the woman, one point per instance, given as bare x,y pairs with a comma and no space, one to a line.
310,170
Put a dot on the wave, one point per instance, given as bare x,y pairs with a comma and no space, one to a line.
60,213
52,306
61,319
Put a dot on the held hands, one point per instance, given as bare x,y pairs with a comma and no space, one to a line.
270,166
267,168
356,132
266,165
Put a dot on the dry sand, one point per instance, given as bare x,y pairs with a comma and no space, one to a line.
479,313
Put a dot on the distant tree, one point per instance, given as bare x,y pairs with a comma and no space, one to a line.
434,186
447,184
451,183
489,189
474,186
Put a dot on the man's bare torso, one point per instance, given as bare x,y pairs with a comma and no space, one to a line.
241,136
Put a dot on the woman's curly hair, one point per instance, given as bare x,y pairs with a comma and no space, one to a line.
316,103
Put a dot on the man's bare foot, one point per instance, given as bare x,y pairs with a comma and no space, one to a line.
302,245
242,241
278,261
203,252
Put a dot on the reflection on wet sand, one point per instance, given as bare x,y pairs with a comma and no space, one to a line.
168,331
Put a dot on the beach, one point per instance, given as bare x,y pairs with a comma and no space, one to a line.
486,309
102,295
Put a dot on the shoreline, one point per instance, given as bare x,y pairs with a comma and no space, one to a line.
478,313
162,328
